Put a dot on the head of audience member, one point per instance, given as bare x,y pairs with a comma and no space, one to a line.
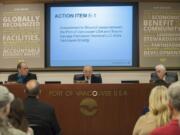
160,71
87,70
174,100
33,88
17,115
158,104
23,69
6,98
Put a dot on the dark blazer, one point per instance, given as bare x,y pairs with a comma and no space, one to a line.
170,77
40,113
95,78
14,77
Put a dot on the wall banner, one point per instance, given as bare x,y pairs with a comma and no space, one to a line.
22,35
159,34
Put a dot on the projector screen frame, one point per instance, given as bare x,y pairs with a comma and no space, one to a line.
135,33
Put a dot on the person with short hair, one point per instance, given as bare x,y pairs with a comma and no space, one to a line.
37,112
23,75
88,76
158,114
162,77
173,127
160,71
6,98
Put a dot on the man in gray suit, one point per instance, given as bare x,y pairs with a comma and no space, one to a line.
162,76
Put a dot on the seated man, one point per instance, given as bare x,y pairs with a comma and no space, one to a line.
37,112
161,76
23,74
88,76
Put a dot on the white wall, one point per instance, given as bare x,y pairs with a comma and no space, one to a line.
107,76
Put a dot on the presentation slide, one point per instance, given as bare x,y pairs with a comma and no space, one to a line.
91,35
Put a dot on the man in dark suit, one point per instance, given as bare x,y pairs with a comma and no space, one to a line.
37,112
88,76
23,75
161,76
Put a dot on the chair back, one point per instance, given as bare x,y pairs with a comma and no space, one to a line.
170,77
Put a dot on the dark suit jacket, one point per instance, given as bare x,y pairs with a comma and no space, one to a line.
170,77
95,78
14,77
42,114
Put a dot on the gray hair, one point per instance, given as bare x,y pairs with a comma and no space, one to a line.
88,67
5,96
174,95
160,66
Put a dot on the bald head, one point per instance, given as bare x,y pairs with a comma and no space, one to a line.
32,88
87,70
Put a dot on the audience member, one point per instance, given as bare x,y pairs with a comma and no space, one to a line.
88,76
17,117
162,77
23,75
173,127
37,112
5,100
158,114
